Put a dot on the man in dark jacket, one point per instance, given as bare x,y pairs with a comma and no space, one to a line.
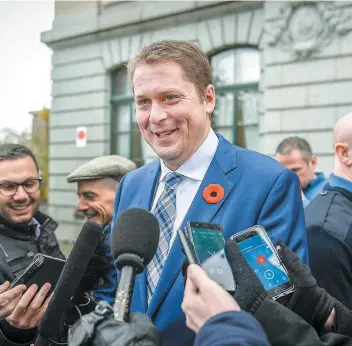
24,232
296,154
329,221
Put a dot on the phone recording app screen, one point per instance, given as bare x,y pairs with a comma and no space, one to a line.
263,261
207,242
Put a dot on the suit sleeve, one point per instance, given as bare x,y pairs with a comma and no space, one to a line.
107,290
282,214
231,328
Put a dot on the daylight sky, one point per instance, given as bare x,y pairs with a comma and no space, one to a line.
25,62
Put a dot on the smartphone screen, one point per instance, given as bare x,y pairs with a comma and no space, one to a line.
209,244
262,258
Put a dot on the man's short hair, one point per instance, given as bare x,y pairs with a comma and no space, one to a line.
193,60
290,144
10,151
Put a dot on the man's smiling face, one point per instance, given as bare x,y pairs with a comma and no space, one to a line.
20,207
96,199
172,117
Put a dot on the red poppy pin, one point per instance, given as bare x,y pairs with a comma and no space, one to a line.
213,193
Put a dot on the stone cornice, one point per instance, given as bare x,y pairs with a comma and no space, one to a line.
96,32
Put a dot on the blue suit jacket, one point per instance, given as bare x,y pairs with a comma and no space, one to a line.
258,190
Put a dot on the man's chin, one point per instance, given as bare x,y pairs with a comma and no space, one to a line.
20,219
169,155
95,219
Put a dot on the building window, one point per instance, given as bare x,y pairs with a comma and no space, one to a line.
126,139
236,74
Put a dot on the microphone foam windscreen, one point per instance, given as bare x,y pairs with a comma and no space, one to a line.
70,277
135,231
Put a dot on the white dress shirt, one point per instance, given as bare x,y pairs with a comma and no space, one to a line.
194,170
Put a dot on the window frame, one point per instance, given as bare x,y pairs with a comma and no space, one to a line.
235,88
115,101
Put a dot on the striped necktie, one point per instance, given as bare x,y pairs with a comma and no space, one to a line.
165,212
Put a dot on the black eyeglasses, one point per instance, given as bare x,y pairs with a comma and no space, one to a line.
10,188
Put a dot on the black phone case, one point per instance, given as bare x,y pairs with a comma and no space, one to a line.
42,269
229,287
187,248
250,229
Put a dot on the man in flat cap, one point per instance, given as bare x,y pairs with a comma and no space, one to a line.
97,181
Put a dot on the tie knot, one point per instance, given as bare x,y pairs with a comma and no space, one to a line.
172,180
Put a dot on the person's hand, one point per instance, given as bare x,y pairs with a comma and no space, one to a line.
250,292
10,298
309,301
204,298
30,308
100,328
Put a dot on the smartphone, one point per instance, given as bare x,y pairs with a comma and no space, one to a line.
262,257
209,245
42,269
187,248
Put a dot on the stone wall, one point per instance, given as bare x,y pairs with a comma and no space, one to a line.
307,73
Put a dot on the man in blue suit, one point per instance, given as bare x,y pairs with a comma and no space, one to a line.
175,99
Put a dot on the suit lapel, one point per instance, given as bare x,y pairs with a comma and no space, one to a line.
145,200
199,211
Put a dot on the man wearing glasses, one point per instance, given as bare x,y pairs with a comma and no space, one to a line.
24,232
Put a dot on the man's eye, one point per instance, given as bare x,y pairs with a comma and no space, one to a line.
8,186
142,102
29,183
170,97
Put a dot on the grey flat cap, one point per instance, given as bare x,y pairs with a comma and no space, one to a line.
111,166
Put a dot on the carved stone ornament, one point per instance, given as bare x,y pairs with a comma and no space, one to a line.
305,27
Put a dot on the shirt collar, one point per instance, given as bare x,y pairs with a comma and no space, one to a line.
336,181
197,165
37,227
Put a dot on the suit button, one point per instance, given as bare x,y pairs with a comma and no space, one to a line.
323,192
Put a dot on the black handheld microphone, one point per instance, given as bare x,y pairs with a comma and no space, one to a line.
134,240
70,277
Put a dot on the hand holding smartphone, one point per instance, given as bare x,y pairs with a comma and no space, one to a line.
262,257
209,249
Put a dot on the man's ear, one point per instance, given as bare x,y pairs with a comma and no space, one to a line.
343,153
313,162
209,99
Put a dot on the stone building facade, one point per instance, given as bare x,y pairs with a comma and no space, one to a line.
280,69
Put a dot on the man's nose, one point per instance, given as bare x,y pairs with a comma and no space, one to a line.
20,194
157,114
81,206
